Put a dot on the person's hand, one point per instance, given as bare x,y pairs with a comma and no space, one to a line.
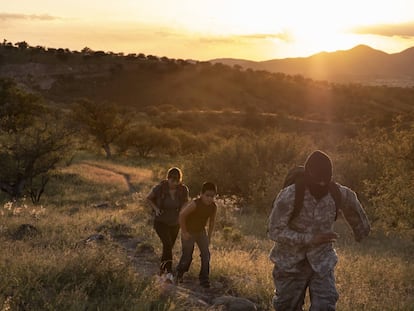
326,237
185,235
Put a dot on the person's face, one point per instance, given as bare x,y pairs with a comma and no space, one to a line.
208,197
318,186
173,182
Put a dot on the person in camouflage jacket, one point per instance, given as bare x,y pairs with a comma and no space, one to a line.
303,254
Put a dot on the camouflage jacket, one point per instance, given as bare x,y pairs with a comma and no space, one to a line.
292,240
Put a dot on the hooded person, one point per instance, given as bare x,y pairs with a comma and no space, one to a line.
318,174
303,254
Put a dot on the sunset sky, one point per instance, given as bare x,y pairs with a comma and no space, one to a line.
203,30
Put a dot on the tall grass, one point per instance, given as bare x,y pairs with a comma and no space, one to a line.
54,269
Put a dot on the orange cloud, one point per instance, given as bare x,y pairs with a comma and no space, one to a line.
238,38
388,30
13,16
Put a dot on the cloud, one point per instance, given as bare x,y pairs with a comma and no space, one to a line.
388,30
230,39
262,36
14,16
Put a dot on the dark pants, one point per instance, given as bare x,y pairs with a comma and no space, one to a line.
201,240
168,236
291,289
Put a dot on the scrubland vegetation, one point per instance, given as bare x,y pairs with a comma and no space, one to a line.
55,268
79,167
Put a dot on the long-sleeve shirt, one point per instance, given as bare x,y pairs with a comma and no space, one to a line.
293,237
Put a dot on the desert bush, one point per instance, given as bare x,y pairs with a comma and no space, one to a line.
379,166
145,140
250,167
194,143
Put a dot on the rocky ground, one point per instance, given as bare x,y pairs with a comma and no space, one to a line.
189,293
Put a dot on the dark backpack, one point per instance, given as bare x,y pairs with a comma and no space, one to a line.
296,176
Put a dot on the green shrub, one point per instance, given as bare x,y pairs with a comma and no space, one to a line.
379,167
250,167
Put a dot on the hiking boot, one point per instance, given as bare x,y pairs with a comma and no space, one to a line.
169,278
163,268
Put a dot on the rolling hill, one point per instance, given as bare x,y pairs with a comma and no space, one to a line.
361,64
148,83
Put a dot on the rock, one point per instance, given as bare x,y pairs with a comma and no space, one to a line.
102,205
129,243
144,248
228,303
94,238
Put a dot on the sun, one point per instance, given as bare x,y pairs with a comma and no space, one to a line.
319,37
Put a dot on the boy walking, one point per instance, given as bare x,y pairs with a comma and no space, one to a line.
193,220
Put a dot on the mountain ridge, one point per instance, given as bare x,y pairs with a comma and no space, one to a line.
360,64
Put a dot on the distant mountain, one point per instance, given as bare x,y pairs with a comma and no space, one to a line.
361,64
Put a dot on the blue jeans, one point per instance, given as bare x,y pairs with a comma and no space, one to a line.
202,242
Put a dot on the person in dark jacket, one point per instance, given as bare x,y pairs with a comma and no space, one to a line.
167,199
193,220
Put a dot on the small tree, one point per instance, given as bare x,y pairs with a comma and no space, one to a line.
251,167
32,142
104,122
29,156
23,45
147,139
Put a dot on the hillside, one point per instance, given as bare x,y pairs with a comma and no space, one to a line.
75,228
95,248
146,82
360,64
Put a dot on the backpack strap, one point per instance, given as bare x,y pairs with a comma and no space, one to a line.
160,192
300,188
336,195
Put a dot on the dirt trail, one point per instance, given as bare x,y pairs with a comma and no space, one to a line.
145,261
125,177
189,293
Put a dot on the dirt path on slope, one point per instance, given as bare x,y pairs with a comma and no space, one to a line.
188,294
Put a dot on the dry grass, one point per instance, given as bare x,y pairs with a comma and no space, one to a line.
53,269
138,174
97,175
377,274
108,173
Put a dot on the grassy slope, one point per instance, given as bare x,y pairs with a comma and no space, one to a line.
55,270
